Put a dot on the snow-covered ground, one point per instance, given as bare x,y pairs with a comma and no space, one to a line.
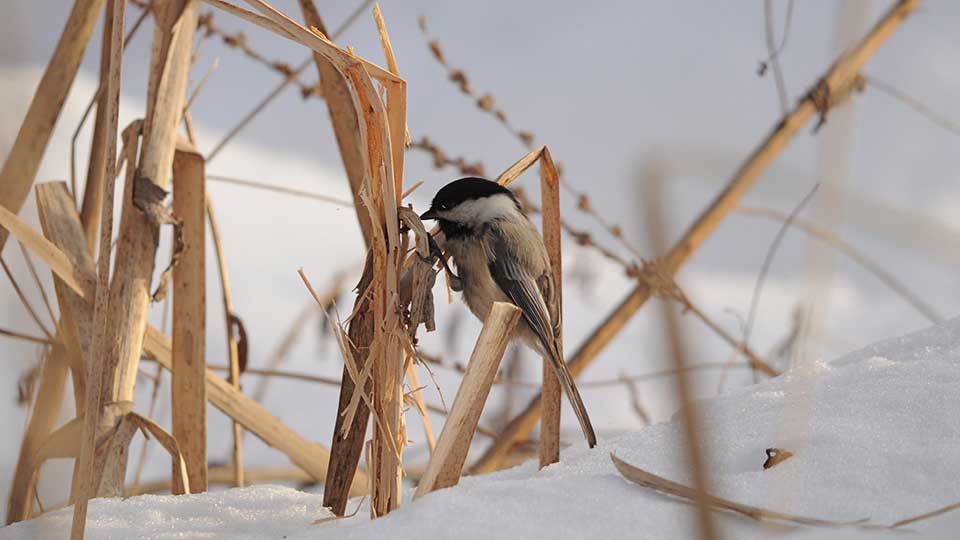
881,442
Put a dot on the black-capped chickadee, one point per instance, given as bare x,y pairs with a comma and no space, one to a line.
500,257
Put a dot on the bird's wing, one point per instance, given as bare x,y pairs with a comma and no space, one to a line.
523,288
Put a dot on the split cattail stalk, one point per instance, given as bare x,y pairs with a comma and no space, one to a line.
446,462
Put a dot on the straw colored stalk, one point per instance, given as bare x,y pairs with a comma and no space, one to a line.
86,474
835,82
23,161
309,456
233,346
188,391
550,194
446,462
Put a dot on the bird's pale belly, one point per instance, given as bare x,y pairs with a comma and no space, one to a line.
480,291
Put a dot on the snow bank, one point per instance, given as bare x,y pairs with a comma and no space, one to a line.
880,441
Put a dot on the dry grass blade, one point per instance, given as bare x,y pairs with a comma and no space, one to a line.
48,253
928,515
837,79
662,485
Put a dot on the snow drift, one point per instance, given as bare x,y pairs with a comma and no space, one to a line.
880,441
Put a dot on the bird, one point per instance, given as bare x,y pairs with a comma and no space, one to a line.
500,257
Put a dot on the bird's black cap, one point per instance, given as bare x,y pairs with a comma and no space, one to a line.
462,190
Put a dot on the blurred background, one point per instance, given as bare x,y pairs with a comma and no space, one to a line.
620,92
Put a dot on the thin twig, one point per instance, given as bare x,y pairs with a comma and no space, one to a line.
862,259
773,53
913,103
279,189
36,279
23,300
26,337
765,267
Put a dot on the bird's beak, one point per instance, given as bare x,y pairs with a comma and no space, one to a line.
429,214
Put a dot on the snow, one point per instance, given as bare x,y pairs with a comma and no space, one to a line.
880,442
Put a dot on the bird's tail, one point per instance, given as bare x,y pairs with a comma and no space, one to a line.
573,395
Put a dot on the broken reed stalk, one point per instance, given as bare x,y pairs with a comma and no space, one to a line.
446,462
23,161
657,227
96,364
836,82
188,390
233,347
550,404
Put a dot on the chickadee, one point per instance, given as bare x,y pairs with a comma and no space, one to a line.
500,257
